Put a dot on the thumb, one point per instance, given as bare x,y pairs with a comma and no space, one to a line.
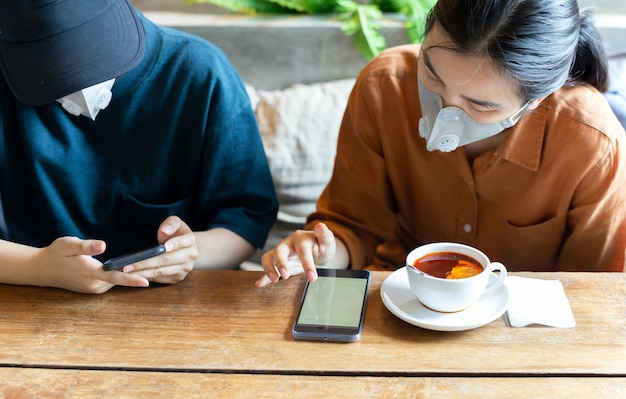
92,247
322,233
325,243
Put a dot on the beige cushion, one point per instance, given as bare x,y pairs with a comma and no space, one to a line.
299,127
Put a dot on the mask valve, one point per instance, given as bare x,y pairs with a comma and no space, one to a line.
447,142
88,101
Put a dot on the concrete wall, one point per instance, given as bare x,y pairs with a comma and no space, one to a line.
273,52
299,49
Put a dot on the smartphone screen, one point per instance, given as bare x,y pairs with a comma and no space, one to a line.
333,307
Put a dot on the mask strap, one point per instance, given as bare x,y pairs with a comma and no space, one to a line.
513,119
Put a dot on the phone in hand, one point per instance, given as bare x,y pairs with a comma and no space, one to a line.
333,307
121,261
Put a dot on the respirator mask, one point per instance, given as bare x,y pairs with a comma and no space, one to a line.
445,129
88,101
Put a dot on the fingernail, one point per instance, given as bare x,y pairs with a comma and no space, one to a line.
265,280
128,269
168,229
168,246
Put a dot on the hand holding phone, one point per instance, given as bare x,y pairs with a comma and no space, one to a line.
121,261
333,307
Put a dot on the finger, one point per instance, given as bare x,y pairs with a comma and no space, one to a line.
185,256
326,244
116,277
263,281
172,226
180,241
295,266
269,266
164,274
184,252
148,263
281,259
305,254
74,246
95,247
323,234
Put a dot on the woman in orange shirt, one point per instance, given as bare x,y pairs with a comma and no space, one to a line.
493,133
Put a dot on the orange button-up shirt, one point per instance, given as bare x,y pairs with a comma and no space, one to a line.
551,196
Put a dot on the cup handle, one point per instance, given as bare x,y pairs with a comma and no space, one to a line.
496,267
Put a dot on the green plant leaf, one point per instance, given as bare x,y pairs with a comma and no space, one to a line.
387,5
362,22
298,6
248,6
359,18
274,6
308,6
415,12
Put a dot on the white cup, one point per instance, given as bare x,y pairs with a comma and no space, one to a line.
451,295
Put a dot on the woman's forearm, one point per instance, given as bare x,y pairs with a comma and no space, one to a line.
221,248
17,264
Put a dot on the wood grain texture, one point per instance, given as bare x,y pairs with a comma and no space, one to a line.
219,322
72,384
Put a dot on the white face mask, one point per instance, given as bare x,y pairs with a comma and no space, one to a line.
88,101
447,128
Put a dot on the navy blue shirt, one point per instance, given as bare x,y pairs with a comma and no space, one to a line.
178,138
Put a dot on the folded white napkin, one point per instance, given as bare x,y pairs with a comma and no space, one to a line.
534,301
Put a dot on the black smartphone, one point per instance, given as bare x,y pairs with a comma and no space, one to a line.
121,261
333,307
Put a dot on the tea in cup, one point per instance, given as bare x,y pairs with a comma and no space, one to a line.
450,277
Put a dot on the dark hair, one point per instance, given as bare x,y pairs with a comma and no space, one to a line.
542,45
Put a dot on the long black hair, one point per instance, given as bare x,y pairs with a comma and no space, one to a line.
541,44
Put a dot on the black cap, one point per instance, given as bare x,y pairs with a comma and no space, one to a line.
52,48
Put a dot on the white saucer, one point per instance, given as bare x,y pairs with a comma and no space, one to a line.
398,298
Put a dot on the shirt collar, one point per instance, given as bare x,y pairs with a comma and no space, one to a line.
524,143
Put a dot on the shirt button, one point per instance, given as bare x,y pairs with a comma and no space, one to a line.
467,228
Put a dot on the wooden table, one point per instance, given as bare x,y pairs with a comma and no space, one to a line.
216,335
